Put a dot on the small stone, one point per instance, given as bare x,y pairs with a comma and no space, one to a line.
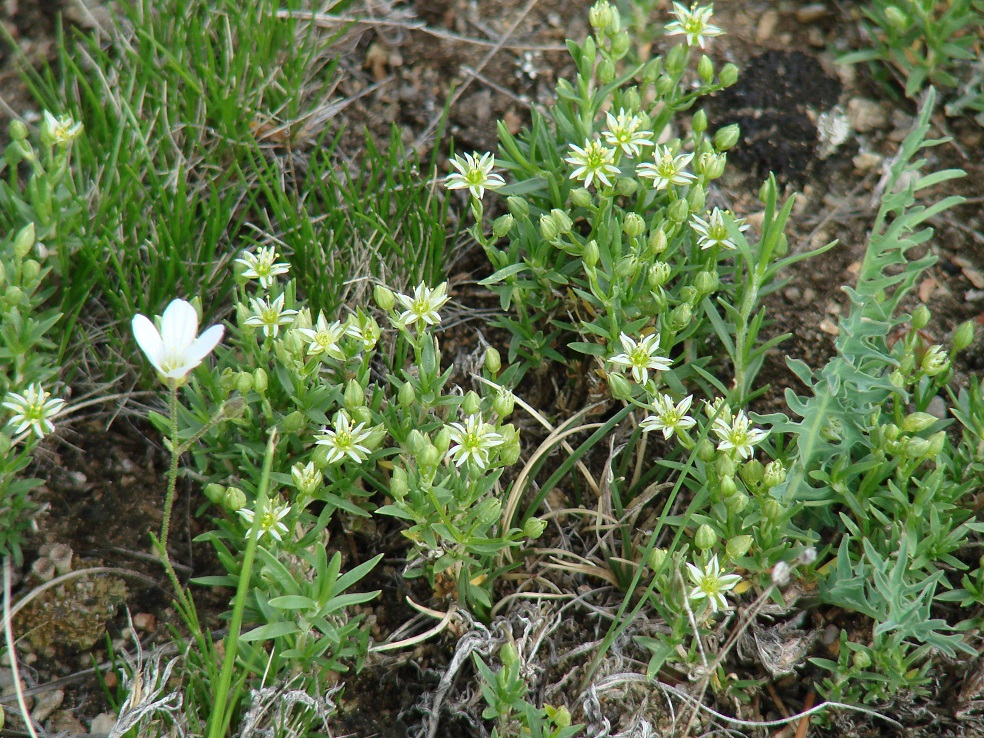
767,25
831,635
867,161
936,407
829,327
811,12
65,722
865,115
46,704
103,723
145,622
809,295
793,294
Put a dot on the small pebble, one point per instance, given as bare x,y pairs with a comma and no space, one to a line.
865,115
809,295
145,621
46,704
867,161
829,327
811,12
766,26
936,407
103,723
65,722
793,294
831,635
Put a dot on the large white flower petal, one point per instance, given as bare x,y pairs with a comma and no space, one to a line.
149,340
203,345
179,325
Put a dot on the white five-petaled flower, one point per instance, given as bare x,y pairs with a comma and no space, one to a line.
641,357
593,161
270,522
344,440
711,584
624,133
263,266
307,478
473,439
666,169
424,304
693,23
177,348
737,434
325,338
33,410
59,131
269,315
474,174
714,231
670,418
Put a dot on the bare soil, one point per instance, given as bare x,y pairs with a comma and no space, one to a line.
104,481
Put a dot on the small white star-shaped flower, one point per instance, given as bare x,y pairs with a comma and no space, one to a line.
624,133
269,316
714,231
473,440
666,169
670,418
270,522
344,440
593,161
693,23
324,338
424,304
474,174
641,357
737,434
33,410
711,584
263,266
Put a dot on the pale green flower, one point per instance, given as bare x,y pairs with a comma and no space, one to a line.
270,522
693,23
625,131
324,338
59,131
424,304
269,316
666,168
474,174
263,266
33,410
641,357
344,440
593,161
714,231
711,584
472,440
737,434
670,418
307,478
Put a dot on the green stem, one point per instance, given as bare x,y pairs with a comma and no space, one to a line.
221,714
172,474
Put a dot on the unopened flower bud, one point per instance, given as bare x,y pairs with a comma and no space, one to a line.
920,317
600,16
705,538
626,187
678,211
354,395
234,499
658,274
606,71
504,403
399,486
771,509
621,43
626,267
416,441
591,253
738,546
24,241
215,493
727,137
681,316
30,271
705,69
780,574
736,504
509,452
442,440
632,99
936,443
502,225
706,282
487,511
676,60
633,226
620,387
17,130
294,422
712,165
963,336
728,74
706,451
362,414
261,380
896,18
548,228
696,198
725,466
727,487
233,408
916,422
656,558
384,297
752,472
493,361
14,296
429,456
580,197
775,474
472,403
518,206
699,122
861,660
406,395
657,242
664,85
534,527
